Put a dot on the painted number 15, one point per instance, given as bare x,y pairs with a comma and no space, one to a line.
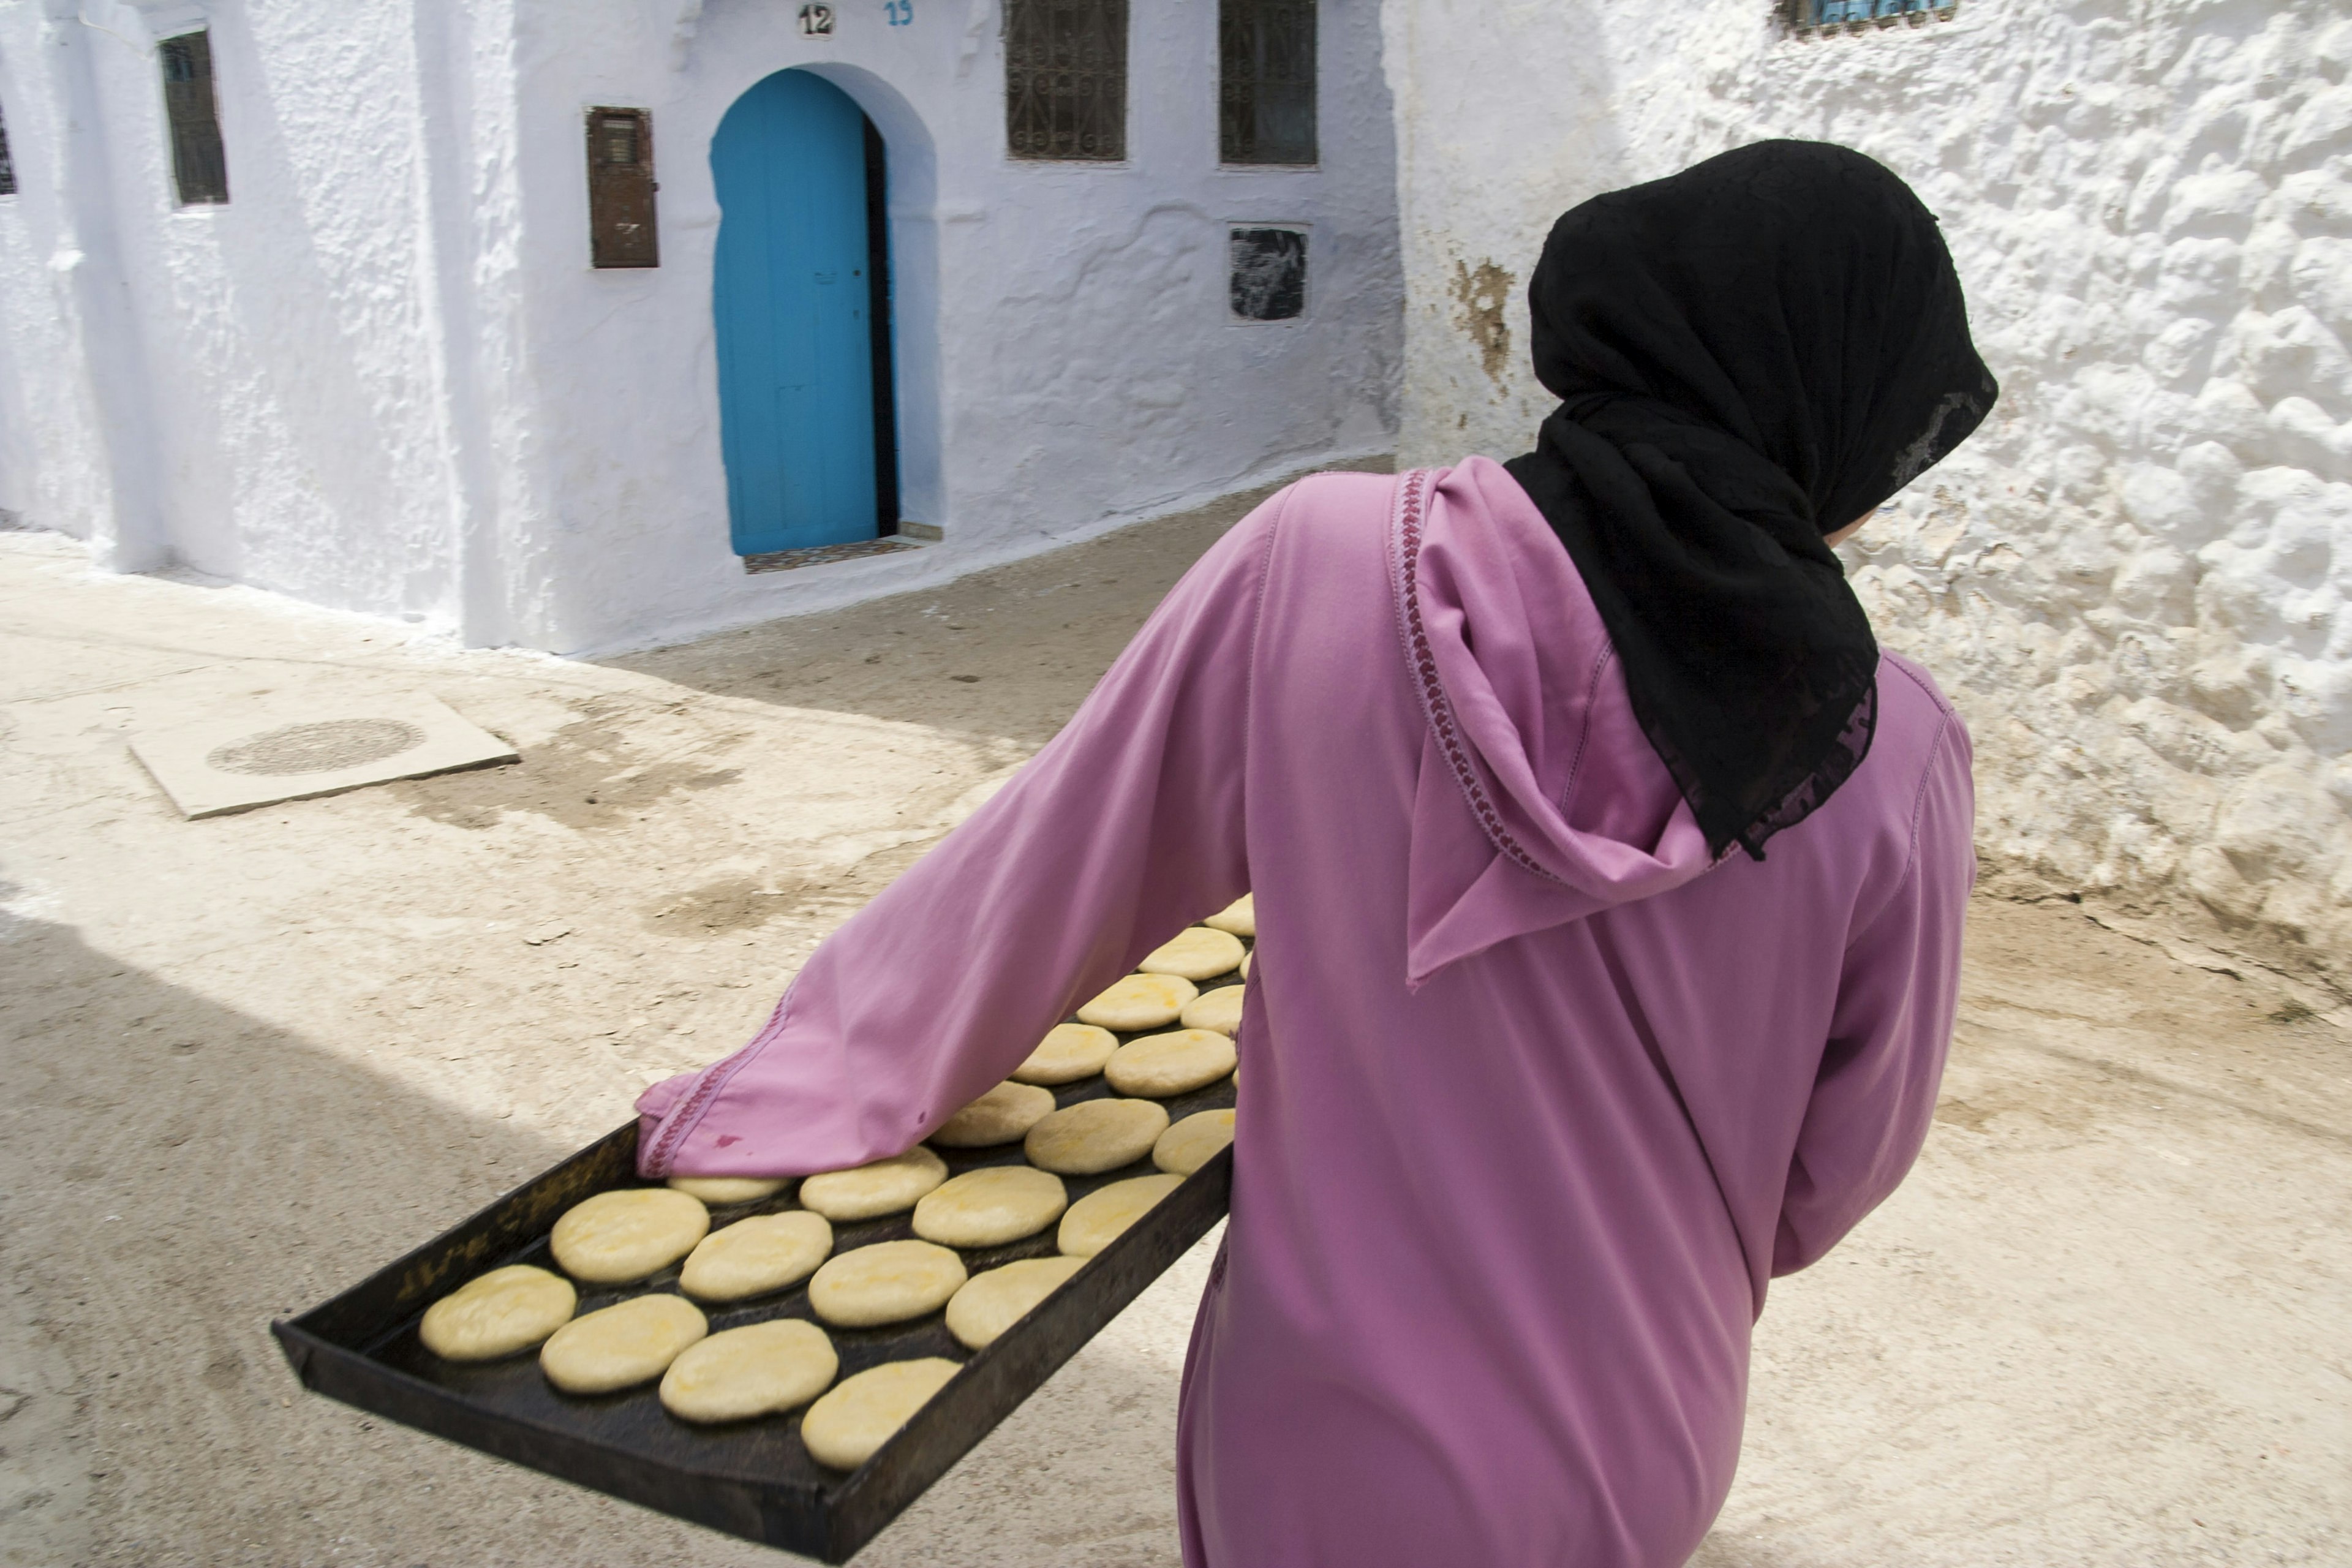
900,12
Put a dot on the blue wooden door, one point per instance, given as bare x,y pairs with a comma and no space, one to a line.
793,306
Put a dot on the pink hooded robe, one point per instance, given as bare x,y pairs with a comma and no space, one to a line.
1536,1100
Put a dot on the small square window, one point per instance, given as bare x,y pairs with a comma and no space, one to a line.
1066,80
1265,82
1269,273
7,168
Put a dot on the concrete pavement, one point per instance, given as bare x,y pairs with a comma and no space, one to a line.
249,1059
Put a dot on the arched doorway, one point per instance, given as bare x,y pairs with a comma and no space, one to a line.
800,299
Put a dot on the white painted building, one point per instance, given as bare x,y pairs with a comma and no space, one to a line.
2136,579
384,375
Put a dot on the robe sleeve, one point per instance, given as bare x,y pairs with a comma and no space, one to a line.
1124,828
1874,1095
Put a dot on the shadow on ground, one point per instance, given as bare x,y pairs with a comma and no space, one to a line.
150,1417
145,1414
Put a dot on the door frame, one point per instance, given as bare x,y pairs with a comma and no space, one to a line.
882,331
909,217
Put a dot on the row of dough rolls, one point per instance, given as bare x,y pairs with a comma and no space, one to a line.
628,1234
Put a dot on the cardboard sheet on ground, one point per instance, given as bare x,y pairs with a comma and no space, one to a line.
264,755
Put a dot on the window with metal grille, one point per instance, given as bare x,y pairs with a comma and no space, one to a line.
1066,80
1849,13
1266,88
7,168
199,167
1269,273
621,186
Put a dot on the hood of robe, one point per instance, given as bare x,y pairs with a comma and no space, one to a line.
1539,798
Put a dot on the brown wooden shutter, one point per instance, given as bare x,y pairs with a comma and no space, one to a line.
621,186
199,166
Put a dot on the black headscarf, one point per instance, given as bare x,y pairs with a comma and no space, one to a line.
1750,355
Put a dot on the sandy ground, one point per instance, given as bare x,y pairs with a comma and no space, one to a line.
246,1062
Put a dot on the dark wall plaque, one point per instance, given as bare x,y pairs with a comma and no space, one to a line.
1269,273
621,186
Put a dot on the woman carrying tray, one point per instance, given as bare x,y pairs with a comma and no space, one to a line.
1552,1067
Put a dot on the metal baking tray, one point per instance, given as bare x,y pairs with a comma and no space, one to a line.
750,1478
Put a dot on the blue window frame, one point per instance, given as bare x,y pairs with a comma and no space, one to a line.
1829,12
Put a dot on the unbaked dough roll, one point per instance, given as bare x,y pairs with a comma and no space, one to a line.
621,1346
991,1206
888,1282
1220,1010
869,1192
993,1302
1193,1141
1000,1116
498,1313
1095,1135
719,1191
1140,1002
844,1428
1067,1052
627,1234
1095,1221
752,1257
1158,1066
1239,917
1196,954
758,1370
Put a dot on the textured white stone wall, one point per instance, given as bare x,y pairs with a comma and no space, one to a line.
51,459
385,378
2135,579
256,390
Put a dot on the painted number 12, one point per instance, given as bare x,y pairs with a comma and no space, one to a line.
900,12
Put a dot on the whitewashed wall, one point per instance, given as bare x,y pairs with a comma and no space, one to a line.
385,377
52,462
257,390
1066,358
2135,579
